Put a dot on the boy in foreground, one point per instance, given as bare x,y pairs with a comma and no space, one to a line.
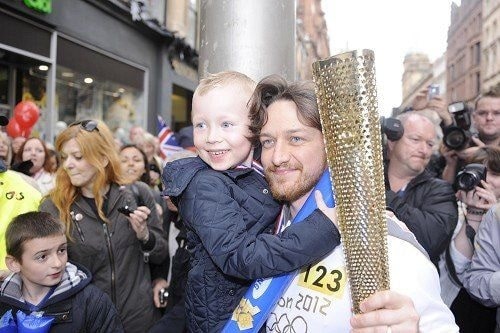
43,280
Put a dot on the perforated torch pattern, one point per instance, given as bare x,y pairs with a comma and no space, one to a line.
347,100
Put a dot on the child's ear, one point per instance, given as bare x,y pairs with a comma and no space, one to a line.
12,264
105,161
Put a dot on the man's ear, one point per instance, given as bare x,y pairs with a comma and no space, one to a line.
12,264
390,147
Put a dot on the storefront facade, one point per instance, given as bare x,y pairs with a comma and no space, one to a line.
89,59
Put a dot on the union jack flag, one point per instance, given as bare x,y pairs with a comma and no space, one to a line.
168,143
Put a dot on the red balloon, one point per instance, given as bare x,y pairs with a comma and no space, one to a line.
13,128
26,132
26,114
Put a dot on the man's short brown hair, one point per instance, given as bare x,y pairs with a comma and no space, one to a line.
274,88
493,92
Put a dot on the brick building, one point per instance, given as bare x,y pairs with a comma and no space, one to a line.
464,51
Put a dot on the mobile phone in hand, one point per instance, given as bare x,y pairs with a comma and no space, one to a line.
433,91
125,210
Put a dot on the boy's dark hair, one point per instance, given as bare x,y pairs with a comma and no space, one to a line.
27,226
275,88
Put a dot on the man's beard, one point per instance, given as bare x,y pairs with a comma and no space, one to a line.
290,192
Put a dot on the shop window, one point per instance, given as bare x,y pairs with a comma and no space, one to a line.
30,85
84,96
91,84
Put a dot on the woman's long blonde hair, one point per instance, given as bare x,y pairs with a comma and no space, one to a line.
97,147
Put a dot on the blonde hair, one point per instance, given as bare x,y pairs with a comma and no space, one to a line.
223,79
98,149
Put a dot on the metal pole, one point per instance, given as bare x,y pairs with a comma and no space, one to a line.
52,112
254,37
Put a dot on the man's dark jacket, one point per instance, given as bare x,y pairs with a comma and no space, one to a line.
429,208
228,216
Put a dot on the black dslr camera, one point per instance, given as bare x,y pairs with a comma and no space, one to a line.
392,128
470,177
457,136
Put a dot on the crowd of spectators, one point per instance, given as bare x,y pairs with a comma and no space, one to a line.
132,240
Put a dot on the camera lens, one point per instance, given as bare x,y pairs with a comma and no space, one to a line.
470,177
455,138
467,181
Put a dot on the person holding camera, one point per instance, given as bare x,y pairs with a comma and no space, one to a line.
429,99
478,187
482,279
459,143
426,204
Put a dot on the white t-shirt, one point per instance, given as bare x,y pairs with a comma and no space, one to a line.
318,299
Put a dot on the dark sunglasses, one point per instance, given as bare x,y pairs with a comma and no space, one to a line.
88,125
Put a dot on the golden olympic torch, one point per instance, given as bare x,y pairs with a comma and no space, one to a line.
347,100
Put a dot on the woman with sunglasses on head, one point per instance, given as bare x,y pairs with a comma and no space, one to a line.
113,234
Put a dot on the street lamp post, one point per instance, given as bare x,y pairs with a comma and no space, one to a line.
254,37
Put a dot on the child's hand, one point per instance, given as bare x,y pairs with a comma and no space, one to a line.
330,212
139,222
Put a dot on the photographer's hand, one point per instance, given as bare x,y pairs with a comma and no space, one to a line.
471,199
451,159
474,216
420,100
486,194
439,105
467,154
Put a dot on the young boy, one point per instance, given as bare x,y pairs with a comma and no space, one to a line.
43,280
228,209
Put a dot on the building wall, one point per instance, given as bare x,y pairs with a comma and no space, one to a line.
418,74
464,51
490,67
416,68
107,28
312,37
